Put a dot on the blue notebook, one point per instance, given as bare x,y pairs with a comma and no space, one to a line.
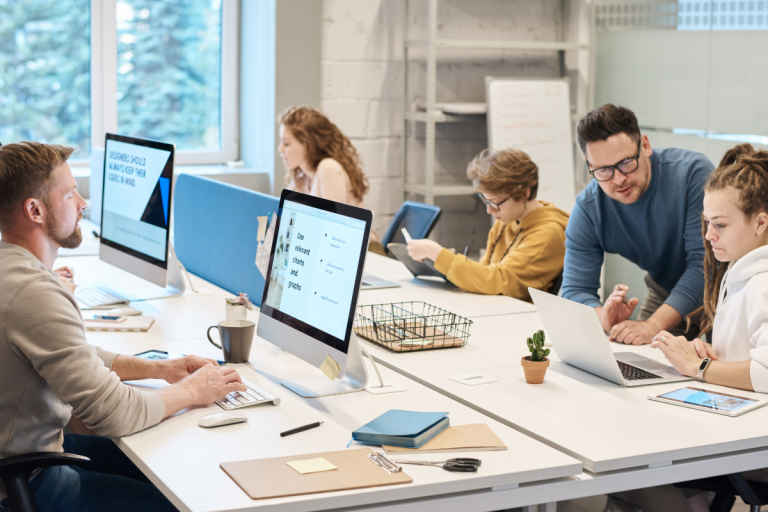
408,429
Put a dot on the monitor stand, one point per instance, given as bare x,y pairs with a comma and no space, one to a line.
355,377
177,284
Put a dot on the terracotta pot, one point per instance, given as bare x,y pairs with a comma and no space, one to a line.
534,370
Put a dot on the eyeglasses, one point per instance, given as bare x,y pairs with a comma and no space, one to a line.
626,166
494,206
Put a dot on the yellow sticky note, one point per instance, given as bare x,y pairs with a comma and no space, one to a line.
311,465
330,368
262,232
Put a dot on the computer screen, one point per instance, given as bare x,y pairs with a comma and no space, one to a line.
315,268
136,199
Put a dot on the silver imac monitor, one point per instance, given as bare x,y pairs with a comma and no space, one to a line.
136,212
310,295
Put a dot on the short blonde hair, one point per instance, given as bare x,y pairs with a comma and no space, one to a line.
508,172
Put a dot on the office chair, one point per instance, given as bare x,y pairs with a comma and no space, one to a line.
556,285
417,218
15,472
727,487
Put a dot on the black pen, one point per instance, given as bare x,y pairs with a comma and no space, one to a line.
300,429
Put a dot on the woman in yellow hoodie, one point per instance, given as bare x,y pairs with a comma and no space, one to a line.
526,245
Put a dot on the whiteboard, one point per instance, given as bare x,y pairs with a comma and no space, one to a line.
535,116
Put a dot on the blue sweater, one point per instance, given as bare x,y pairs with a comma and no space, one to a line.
661,232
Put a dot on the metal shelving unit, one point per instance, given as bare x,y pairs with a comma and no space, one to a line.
429,189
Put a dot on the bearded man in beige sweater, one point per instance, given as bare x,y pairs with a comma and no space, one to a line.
49,373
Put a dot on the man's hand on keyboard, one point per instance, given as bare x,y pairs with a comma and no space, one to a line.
211,383
174,370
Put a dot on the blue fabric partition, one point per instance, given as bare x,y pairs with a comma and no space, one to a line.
215,229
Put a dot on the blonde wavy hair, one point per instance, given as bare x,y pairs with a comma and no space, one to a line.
323,139
508,172
745,169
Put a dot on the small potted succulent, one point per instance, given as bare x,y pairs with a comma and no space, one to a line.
535,365
237,308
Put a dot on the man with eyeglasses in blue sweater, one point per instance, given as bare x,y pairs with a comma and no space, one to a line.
645,205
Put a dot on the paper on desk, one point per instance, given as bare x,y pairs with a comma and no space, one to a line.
263,247
311,465
263,221
330,368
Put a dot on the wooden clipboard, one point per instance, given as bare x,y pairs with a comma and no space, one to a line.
274,478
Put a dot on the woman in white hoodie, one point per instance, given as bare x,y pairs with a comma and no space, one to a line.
735,230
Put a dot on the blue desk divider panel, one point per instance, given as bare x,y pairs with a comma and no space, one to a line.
215,230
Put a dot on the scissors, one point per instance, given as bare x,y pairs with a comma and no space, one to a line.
455,465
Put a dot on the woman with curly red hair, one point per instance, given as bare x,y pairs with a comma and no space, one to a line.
320,159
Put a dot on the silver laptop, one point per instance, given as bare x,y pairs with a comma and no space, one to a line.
579,340
371,282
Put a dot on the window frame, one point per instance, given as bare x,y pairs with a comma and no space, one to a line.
104,84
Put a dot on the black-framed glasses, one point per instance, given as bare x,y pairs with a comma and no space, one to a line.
626,166
494,206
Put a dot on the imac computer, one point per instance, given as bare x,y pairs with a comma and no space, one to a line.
135,221
310,295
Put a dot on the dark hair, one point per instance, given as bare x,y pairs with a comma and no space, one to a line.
745,169
605,121
323,139
510,172
25,172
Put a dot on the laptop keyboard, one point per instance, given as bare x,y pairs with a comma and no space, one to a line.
634,373
254,396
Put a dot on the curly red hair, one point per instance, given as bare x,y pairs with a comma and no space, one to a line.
323,139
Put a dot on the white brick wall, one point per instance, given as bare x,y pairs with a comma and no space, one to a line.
362,91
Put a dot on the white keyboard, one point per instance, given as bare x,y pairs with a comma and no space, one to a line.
95,296
256,395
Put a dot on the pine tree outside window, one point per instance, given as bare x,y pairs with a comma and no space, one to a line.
72,70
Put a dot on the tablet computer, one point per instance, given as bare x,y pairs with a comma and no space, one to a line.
710,401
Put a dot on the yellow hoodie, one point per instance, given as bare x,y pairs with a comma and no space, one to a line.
535,256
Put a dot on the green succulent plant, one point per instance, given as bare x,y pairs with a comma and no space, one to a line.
536,346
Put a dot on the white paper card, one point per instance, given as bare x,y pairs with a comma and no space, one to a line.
263,248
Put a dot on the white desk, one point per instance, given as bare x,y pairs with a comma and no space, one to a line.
607,427
182,459
436,292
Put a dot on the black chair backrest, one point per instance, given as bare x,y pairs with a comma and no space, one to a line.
556,284
417,218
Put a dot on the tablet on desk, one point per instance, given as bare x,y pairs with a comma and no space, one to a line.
710,401
156,355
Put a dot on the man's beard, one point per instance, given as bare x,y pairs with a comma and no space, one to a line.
71,241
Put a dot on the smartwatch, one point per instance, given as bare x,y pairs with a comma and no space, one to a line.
702,368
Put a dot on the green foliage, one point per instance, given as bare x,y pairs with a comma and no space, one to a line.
536,346
169,71
45,83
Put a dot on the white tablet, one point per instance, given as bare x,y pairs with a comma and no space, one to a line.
710,401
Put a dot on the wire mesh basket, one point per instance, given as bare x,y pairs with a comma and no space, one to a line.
410,326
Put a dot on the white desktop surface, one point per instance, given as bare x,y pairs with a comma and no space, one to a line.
434,291
182,459
606,426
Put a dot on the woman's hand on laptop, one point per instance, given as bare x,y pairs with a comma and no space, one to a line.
684,355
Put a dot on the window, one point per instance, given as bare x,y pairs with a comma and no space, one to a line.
45,78
72,70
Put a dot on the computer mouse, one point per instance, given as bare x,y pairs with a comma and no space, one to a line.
220,419
124,311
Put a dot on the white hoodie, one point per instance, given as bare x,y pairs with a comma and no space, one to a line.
740,331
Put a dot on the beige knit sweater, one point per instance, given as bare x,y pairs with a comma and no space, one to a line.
49,372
